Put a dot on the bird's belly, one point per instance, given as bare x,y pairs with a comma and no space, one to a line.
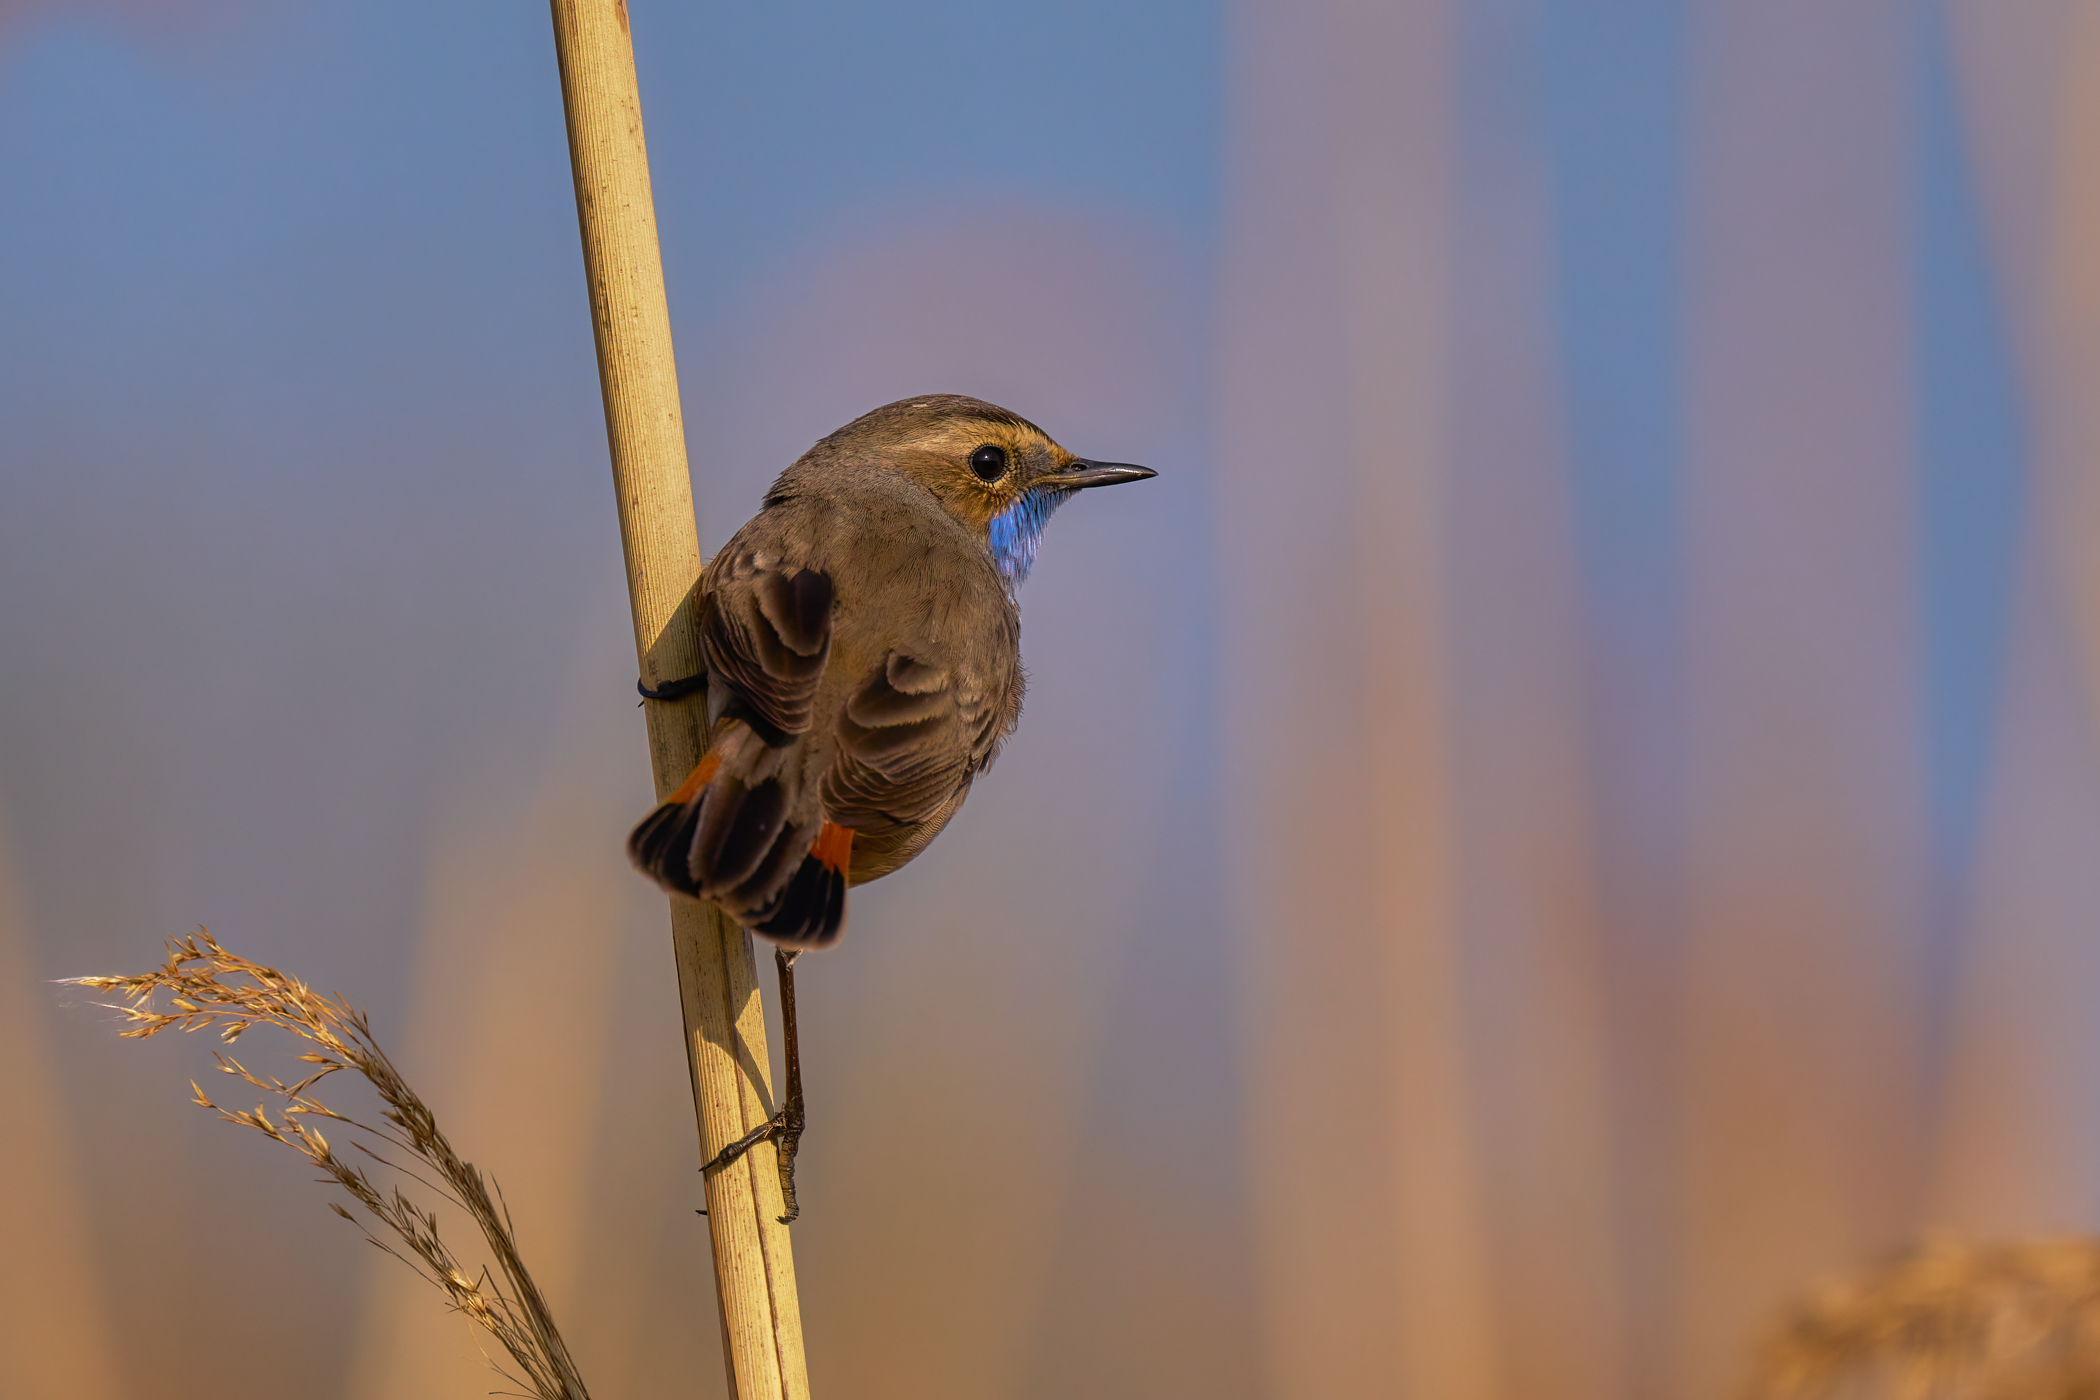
880,849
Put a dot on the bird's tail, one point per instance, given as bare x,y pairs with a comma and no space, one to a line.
745,832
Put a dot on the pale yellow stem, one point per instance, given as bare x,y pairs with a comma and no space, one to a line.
717,975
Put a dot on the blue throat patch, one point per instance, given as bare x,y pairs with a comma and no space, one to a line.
1017,531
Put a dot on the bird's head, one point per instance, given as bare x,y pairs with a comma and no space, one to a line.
997,473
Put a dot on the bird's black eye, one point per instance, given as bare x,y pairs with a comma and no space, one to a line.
989,462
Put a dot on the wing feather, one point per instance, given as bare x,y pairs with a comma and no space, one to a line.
766,634
911,736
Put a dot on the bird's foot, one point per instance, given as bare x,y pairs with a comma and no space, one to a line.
784,1131
673,690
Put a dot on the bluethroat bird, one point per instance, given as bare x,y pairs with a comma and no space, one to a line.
861,649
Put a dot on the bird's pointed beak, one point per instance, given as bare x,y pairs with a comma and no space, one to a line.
1082,473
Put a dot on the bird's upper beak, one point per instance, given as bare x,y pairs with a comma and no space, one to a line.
1081,473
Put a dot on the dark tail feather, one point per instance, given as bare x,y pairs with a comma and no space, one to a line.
811,910
661,847
755,891
718,840
738,827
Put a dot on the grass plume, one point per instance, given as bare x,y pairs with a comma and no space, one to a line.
1983,1320
208,988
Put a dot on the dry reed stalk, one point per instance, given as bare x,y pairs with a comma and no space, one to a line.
761,1315
1988,1320
207,987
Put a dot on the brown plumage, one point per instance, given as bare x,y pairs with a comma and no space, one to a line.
862,659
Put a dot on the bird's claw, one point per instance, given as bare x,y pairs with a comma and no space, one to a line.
673,690
784,1131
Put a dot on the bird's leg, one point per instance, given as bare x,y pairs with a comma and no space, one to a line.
784,1128
791,1112
673,690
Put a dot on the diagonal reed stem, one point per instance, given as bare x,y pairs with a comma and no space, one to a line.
717,975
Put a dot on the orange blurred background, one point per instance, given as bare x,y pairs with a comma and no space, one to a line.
1570,809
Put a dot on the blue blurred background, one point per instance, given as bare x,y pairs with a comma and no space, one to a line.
1567,812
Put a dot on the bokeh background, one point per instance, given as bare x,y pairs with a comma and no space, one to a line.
1569,810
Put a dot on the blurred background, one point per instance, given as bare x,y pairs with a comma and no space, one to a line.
1569,810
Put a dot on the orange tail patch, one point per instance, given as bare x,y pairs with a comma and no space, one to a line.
703,773
834,846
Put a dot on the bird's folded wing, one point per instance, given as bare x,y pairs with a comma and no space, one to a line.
767,634
911,734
